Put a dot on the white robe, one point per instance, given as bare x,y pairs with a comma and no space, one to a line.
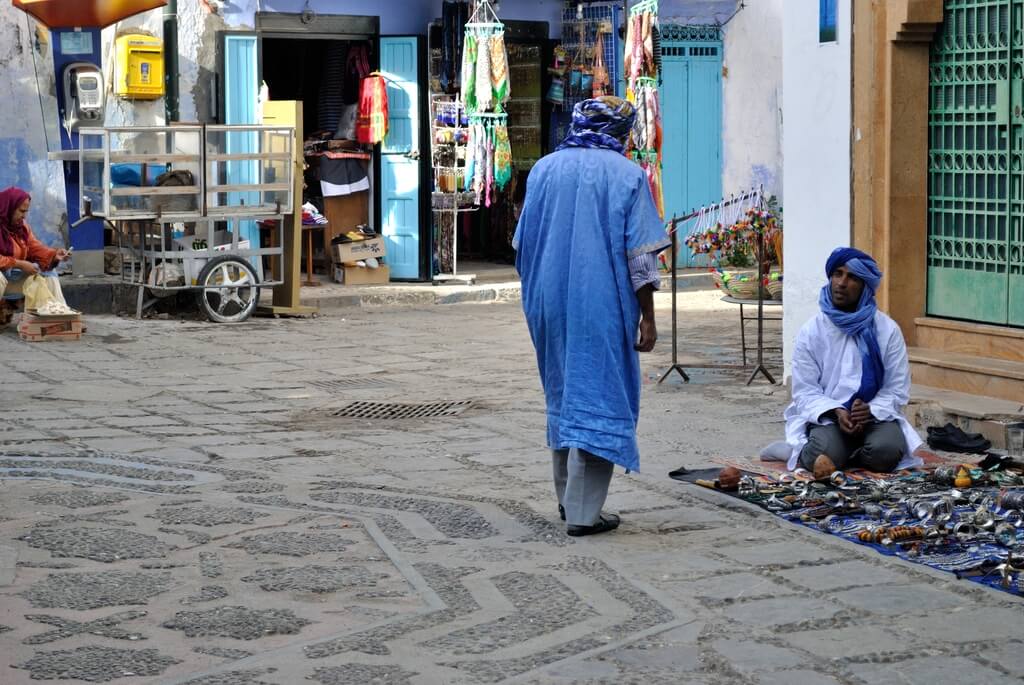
826,373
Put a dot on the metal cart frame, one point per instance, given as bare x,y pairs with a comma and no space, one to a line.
241,175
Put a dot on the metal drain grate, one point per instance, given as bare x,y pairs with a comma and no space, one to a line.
351,382
391,411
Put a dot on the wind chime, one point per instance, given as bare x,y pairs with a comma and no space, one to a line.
642,72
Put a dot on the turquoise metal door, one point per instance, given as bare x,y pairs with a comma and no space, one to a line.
400,165
241,93
692,119
976,163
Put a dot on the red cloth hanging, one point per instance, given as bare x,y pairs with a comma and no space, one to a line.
372,125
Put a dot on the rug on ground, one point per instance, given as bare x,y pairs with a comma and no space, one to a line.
966,519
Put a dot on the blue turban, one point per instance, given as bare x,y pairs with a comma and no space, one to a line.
603,122
859,323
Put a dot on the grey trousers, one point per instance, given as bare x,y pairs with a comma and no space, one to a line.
581,484
879,448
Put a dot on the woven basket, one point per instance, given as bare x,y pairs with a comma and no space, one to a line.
774,289
744,290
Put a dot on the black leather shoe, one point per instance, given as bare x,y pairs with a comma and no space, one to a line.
561,511
604,524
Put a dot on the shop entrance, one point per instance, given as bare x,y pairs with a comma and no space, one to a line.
324,74
348,184
976,164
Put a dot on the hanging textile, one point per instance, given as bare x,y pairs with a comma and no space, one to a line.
483,87
468,78
642,66
601,79
331,96
499,69
357,67
502,157
372,126
454,14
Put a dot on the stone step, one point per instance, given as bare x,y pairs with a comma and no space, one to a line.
964,337
930,406
968,373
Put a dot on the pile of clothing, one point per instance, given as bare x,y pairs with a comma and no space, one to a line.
311,216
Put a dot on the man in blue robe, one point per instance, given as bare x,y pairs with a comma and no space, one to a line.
587,244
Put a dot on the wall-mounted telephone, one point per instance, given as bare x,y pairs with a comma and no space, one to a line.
83,95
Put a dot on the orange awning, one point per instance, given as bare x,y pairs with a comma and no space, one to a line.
85,13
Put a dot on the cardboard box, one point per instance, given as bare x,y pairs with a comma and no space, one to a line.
361,275
363,249
36,328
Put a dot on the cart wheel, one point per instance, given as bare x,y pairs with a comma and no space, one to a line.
234,303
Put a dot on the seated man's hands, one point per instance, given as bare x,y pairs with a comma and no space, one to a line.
860,413
846,423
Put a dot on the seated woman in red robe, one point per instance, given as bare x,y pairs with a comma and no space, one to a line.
21,254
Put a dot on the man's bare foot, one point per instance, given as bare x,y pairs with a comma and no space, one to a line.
823,467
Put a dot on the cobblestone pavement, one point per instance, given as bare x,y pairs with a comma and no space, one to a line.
193,503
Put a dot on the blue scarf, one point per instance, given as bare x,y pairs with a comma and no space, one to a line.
859,323
602,123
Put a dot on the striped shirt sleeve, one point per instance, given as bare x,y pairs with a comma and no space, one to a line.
643,270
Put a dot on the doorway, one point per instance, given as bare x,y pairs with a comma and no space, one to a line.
691,107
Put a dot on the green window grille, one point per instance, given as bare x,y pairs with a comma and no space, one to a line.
976,163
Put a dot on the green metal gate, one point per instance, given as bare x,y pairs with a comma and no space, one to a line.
976,163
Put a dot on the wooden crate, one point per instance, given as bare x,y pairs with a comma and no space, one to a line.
36,328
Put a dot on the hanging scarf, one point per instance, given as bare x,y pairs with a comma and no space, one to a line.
859,323
489,166
499,69
602,122
469,73
502,157
10,200
484,95
372,125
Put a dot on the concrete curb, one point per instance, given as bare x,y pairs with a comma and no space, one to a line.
107,295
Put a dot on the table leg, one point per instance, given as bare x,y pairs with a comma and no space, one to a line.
743,335
309,260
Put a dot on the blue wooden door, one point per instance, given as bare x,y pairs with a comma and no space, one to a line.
400,166
691,104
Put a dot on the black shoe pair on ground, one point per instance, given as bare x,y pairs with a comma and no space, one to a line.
605,523
951,439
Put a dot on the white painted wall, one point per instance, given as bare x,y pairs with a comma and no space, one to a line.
28,122
751,85
816,153
752,98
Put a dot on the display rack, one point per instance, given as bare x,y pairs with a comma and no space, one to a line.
449,134
760,367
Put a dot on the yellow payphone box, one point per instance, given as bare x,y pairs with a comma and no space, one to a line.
140,67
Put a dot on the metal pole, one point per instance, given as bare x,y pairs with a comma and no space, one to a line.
760,368
675,315
171,61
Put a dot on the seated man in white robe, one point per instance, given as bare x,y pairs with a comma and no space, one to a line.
851,378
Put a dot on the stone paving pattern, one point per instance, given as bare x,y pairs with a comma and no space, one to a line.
184,486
